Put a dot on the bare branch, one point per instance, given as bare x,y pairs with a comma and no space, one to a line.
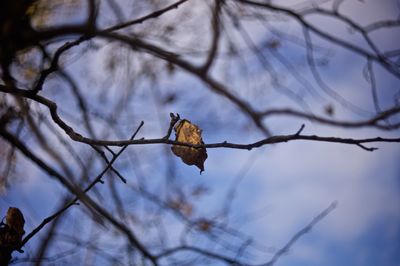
299,234
270,140
152,15
74,201
215,24
372,122
388,66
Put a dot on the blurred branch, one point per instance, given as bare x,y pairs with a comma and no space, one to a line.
97,180
372,122
80,195
372,80
266,64
54,64
381,24
234,261
51,259
152,15
204,252
350,23
314,70
300,18
81,29
92,15
216,32
299,234
173,58
150,53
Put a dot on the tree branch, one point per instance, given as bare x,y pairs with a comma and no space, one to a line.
299,234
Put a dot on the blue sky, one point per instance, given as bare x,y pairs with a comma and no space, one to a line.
284,186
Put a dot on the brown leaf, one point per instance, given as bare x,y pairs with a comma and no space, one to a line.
15,221
11,233
189,133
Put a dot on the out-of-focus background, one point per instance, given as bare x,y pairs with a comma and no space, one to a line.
240,70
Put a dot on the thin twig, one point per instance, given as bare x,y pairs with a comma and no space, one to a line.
299,234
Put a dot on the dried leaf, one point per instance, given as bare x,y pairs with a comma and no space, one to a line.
15,221
189,133
12,231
